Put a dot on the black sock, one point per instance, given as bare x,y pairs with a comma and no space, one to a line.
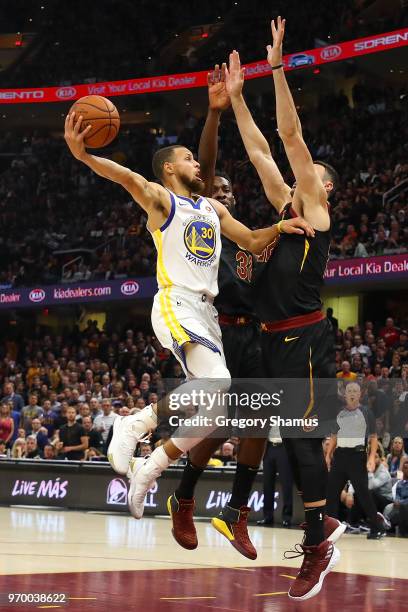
241,489
188,482
314,525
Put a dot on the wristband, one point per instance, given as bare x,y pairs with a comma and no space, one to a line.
279,226
277,67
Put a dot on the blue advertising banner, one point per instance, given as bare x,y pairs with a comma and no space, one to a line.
76,293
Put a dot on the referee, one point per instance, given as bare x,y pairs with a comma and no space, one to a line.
346,458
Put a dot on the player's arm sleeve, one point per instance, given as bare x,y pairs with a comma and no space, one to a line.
259,152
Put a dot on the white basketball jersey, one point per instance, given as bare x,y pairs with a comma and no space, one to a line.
188,246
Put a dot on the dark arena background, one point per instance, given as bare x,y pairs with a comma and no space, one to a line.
77,280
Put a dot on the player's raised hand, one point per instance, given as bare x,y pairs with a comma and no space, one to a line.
234,75
296,226
275,51
217,92
74,137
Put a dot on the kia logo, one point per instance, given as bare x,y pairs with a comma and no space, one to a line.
36,295
117,492
64,93
330,52
129,287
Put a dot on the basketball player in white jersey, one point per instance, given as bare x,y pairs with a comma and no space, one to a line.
186,231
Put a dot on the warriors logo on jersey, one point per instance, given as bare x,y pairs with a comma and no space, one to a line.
200,238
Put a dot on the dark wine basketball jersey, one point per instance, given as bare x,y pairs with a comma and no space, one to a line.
234,281
291,278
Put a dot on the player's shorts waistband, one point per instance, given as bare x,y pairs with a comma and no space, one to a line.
197,295
236,321
292,322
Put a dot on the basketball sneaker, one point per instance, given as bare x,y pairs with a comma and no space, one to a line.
143,478
233,524
127,432
181,512
333,528
318,561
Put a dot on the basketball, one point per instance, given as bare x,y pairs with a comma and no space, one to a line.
102,115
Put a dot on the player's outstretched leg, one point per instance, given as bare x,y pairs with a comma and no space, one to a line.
211,376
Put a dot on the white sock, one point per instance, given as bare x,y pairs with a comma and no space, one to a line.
161,458
148,416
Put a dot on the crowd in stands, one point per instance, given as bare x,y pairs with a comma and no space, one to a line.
60,222
101,375
61,394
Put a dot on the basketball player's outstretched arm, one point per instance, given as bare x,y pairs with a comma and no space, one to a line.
256,240
307,180
256,145
219,101
153,198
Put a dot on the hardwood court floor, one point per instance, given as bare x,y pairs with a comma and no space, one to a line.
114,562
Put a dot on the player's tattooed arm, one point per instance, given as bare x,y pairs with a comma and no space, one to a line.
256,145
256,240
218,101
153,198
308,181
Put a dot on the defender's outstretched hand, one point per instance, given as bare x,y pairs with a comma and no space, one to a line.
275,50
234,75
217,92
296,226
73,137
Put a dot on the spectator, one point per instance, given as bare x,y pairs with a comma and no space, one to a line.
145,449
49,417
40,433
360,348
6,423
104,422
31,411
397,512
95,439
379,482
18,450
11,396
396,457
93,454
73,439
346,372
32,450
49,452
334,322
389,333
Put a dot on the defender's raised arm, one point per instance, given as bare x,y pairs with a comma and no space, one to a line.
308,180
256,145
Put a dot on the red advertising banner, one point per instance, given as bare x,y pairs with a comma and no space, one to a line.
367,269
172,82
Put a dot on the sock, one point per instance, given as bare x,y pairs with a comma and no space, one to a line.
241,489
160,458
148,416
188,482
314,525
